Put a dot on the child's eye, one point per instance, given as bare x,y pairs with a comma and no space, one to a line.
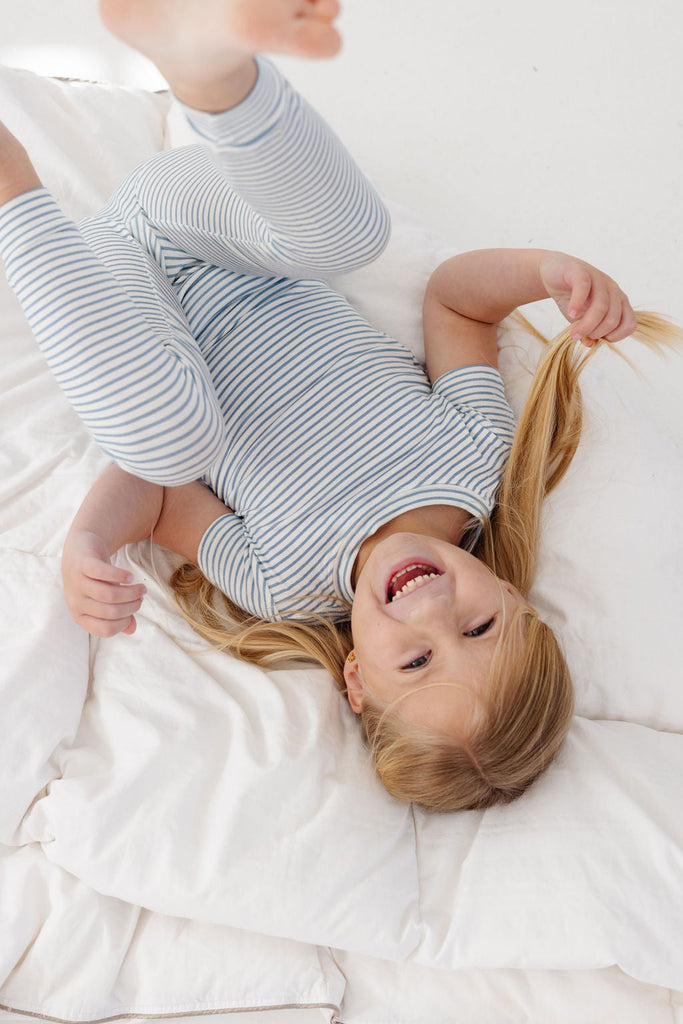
478,630
419,662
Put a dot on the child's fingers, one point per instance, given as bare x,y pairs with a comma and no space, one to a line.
109,612
113,593
626,326
107,627
588,325
579,297
96,569
616,322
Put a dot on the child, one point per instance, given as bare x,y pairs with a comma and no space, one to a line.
190,327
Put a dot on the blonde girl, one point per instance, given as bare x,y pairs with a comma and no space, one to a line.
327,493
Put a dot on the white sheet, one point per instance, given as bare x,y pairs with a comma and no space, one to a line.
139,773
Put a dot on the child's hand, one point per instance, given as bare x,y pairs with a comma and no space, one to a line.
589,299
100,597
17,173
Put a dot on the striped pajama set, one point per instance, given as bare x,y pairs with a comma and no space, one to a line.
191,328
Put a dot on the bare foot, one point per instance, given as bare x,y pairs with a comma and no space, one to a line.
212,40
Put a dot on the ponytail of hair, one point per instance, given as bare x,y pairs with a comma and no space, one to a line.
546,439
227,627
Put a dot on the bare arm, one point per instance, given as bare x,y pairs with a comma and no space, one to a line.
17,173
186,514
121,509
118,509
469,295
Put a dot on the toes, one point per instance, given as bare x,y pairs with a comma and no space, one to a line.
313,37
325,10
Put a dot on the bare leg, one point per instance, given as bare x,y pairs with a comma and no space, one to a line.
204,49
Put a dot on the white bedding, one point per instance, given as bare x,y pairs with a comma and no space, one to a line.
238,808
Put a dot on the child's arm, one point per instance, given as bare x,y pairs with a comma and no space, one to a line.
468,296
17,173
121,509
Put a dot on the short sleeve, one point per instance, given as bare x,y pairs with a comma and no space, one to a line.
227,559
478,389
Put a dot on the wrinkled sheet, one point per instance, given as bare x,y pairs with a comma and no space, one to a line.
238,807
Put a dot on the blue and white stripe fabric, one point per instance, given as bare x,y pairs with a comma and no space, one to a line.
190,326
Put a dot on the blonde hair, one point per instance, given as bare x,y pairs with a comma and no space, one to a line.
520,725
265,642
526,712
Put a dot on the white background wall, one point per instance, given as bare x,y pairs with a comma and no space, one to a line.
499,123
65,38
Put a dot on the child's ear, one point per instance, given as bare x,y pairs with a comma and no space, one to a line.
354,684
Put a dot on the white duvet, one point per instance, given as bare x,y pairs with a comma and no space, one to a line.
238,807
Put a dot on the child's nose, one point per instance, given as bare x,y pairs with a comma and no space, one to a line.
433,608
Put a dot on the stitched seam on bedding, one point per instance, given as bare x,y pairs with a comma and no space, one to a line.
672,1006
170,1016
418,882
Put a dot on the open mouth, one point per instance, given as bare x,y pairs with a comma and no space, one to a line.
409,578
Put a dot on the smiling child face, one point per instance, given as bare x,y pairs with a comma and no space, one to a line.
426,613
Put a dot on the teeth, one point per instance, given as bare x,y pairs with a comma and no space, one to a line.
412,584
408,568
